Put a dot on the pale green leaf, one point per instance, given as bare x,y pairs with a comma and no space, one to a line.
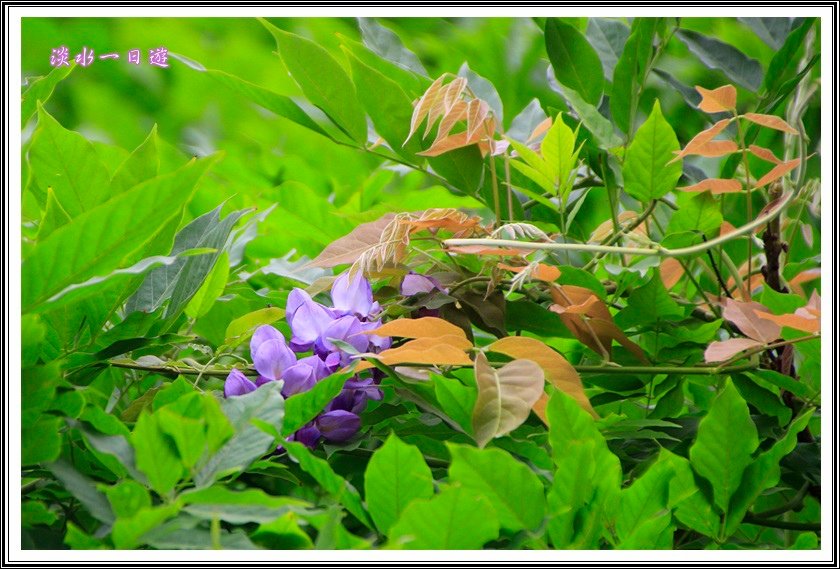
647,172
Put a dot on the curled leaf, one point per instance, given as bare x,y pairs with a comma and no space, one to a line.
505,396
717,100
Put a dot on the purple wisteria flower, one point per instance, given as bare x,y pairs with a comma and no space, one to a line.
326,332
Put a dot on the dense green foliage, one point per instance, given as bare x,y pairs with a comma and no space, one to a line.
620,348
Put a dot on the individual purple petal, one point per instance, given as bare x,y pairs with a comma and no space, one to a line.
237,384
307,318
297,379
352,295
338,426
332,361
263,334
272,358
415,284
379,342
347,329
263,380
308,435
319,367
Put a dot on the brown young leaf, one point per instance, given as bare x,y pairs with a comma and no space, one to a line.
743,315
444,103
777,172
702,138
714,185
539,130
539,408
764,154
449,219
713,149
625,218
478,111
426,327
805,276
439,351
576,309
421,109
571,296
717,100
770,121
451,142
457,113
349,248
722,351
558,371
670,271
505,397
804,322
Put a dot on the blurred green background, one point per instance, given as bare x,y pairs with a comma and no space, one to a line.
321,190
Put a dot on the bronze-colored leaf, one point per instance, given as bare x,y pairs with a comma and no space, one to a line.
722,351
539,130
777,172
505,397
444,145
575,309
714,185
670,271
743,315
349,248
440,351
426,327
702,138
713,149
558,371
770,121
809,323
717,100
764,154
457,113
444,103
421,109
477,112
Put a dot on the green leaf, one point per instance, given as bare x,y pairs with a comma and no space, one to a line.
322,80
516,493
282,533
462,167
697,213
83,489
41,89
249,441
784,59
41,440
597,124
558,152
411,83
34,513
457,518
484,90
585,492
143,164
576,64
238,507
608,38
455,399
156,454
686,500
276,103
334,484
644,520
647,172
128,532
242,328
66,162
110,236
388,106
648,304
303,407
726,439
387,45
763,473
771,30
766,401
716,54
395,475
54,216
127,498
179,281
629,73
38,387
211,289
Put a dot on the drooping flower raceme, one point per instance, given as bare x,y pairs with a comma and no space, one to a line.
326,332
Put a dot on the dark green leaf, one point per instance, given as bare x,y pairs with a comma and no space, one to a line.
630,72
576,64
608,38
303,407
716,54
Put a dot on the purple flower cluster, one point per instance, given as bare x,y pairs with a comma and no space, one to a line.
317,331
